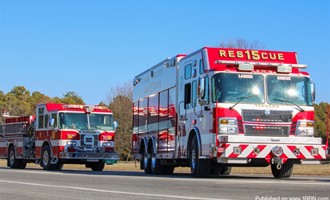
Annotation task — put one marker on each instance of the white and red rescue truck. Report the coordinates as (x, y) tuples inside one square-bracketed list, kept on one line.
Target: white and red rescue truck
[(218, 107), (59, 134)]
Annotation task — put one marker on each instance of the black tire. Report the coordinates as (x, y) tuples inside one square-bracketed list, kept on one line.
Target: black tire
[(12, 161), (46, 158), (220, 170), (225, 171), (156, 167), (168, 170), (147, 160), (285, 171), (59, 166), (97, 167), (199, 167)]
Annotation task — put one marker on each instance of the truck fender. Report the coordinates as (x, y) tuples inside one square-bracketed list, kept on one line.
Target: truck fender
[(154, 144), (144, 144), (195, 131), (46, 142), (146, 141)]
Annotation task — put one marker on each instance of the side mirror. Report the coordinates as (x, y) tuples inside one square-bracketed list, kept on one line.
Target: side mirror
[(201, 87), (312, 87), (202, 91), (115, 124), (51, 122)]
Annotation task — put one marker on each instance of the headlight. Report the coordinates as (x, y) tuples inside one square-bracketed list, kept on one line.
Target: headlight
[(228, 126), (108, 144), (305, 128), (72, 143)]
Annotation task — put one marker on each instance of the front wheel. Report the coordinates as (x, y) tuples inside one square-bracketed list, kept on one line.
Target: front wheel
[(199, 167), (46, 159), (284, 172), (221, 170), (97, 167)]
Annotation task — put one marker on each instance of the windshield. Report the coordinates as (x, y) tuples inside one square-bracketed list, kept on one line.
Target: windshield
[(80, 121), (231, 88), (289, 90)]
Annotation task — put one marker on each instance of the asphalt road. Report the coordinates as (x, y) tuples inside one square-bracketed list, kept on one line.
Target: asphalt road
[(37, 184)]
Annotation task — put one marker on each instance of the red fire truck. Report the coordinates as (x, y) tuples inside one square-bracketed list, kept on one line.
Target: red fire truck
[(218, 107), (59, 134)]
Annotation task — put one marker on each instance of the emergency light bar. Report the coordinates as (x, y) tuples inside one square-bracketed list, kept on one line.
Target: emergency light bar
[(249, 66), (84, 106), (73, 106)]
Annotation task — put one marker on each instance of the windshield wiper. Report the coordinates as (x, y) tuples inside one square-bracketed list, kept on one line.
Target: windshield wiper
[(286, 101), (241, 99)]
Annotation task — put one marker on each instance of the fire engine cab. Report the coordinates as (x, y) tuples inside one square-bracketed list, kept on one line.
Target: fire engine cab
[(59, 134), (218, 107)]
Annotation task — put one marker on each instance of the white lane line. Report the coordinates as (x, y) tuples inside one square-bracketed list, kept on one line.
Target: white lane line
[(108, 191), (291, 181)]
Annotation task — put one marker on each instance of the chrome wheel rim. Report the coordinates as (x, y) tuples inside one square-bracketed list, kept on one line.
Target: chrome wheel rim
[(193, 159), (45, 158), (12, 157)]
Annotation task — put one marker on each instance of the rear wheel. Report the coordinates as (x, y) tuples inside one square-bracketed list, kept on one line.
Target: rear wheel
[(284, 172), (147, 160), (156, 167), (199, 167), (13, 162)]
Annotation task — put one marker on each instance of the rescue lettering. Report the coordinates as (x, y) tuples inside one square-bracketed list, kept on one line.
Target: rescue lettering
[(251, 55)]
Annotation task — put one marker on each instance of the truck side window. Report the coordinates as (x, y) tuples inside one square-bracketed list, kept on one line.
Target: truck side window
[(47, 121), (41, 118), (54, 117), (201, 66), (205, 96), (187, 71), (187, 95), (194, 93)]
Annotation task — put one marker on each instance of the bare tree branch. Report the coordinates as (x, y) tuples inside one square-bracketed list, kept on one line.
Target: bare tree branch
[(240, 43)]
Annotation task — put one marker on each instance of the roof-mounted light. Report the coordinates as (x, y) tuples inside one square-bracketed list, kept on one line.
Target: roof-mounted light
[(73, 106), (245, 67), (284, 69), (248, 66)]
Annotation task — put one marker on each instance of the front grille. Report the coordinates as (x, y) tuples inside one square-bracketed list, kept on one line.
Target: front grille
[(257, 130), (273, 116), (88, 141)]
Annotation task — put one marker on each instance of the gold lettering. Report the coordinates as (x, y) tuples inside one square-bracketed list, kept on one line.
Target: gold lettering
[(247, 53), (264, 56), (231, 54), (239, 54), (280, 56), (222, 53), (272, 56), (255, 55)]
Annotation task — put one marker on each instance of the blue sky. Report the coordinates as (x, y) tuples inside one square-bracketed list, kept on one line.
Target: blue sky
[(91, 47)]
